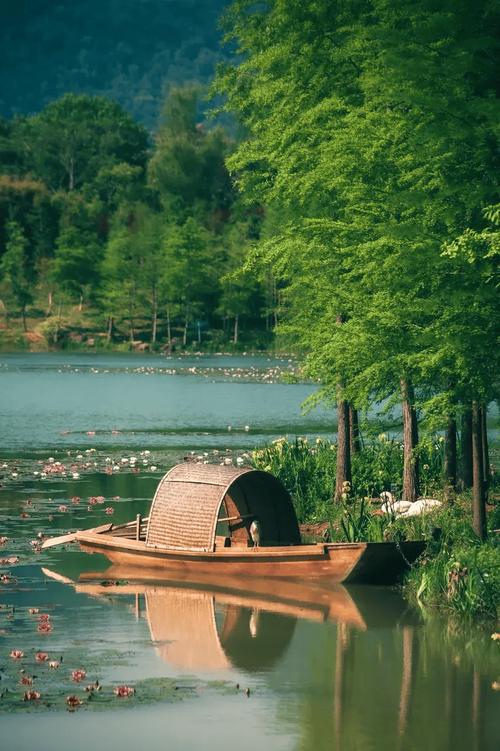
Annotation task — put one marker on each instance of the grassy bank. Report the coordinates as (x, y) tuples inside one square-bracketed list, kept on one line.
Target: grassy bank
[(457, 572), (70, 327)]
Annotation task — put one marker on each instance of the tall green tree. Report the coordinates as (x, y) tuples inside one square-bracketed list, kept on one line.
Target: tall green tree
[(73, 138), (187, 166), (16, 272), (371, 129), (191, 270)]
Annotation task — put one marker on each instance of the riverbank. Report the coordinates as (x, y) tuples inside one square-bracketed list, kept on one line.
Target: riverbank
[(70, 328), (458, 572)]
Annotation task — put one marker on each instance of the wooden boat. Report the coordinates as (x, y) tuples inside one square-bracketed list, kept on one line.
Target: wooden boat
[(200, 521)]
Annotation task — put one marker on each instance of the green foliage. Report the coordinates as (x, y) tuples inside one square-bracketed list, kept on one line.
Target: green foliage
[(187, 166), (153, 249), (78, 135), (15, 269), (370, 133), (462, 576), (308, 472)]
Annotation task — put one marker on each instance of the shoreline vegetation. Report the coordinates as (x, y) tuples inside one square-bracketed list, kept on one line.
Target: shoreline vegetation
[(458, 572)]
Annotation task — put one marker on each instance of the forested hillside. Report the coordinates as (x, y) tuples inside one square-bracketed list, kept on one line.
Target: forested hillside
[(110, 236), (127, 50)]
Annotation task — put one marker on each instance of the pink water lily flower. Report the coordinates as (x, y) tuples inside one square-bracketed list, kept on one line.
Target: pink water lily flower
[(78, 675), (3, 540), (75, 499), (16, 654), (100, 498), (26, 680), (124, 691), (63, 508), (41, 657), (44, 617), (31, 695), (73, 701), (109, 510), (34, 611), (54, 664), (44, 627)]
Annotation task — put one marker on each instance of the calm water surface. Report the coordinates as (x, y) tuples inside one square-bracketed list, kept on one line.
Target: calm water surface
[(54, 400), (327, 668)]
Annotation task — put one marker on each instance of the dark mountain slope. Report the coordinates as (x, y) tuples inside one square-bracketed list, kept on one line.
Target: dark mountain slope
[(125, 49)]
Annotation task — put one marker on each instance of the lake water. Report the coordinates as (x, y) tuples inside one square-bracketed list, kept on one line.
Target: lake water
[(325, 667)]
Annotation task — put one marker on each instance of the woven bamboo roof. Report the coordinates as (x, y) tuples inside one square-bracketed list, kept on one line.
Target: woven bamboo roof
[(188, 500)]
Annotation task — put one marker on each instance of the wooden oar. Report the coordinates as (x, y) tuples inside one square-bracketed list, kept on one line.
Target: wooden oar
[(63, 539)]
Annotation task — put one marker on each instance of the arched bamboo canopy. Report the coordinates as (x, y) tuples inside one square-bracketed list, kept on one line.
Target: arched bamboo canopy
[(196, 503)]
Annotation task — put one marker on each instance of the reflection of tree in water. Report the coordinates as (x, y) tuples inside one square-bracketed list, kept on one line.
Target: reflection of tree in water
[(399, 687)]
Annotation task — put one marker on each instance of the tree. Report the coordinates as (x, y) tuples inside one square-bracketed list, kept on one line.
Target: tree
[(364, 124), (75, 137), (187, 166), (76, 266), (240, 290), (191, 269), (15, 268)]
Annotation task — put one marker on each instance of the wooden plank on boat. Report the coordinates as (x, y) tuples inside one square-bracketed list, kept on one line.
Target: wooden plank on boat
[(61, 540), (64, 539)]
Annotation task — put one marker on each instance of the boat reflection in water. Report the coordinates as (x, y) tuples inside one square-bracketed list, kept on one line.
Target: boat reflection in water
[(348, 668), (245, 624)]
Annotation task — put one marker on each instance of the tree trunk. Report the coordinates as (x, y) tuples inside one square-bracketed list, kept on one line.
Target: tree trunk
[(354, 430), (80, 305), (466, 449), (450, 459), (155, 317), (478, 490), (343, 447), (186, 321), (235, 337), (5, 312), (71, 174), (58, 324), (485, 450), (109, 333), (49, 308), (169, 330), (131, 302), (410, 440)]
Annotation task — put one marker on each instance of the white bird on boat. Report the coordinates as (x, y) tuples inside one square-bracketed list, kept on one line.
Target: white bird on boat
[(255, 533)]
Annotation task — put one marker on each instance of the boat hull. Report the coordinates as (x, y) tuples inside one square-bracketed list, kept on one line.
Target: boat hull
[(377, 563)]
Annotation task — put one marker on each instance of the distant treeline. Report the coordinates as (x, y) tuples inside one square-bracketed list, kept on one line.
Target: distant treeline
[(144, 236)]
